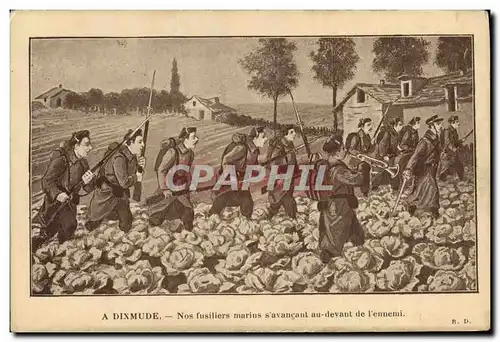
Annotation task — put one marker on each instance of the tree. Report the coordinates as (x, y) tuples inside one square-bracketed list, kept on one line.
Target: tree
[(112, 100), (175, 80), (73, 101), (334, 63), (272, 69), (95, 98), (400, 55), (162, 102), (454, 54)]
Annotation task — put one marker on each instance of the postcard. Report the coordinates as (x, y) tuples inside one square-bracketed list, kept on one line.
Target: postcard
[(244, 171)]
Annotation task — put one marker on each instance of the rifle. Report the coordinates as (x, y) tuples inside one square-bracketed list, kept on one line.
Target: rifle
[(76, 188), (267, 162), (461, 140), (380, 123), (138, 185), (299, 121)]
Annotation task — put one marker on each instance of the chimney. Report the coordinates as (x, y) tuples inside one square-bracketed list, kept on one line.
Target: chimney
[(216, 99), (382, 83), (60, 85)]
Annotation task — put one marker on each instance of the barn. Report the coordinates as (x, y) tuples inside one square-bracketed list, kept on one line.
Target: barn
[(205, 108), (445, 95), (54, 97)]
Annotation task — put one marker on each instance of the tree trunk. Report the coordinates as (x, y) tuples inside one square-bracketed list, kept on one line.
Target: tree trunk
[(334, 104), (275, 114)]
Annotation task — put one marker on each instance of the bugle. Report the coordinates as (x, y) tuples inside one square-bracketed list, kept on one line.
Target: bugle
[(374, 162)]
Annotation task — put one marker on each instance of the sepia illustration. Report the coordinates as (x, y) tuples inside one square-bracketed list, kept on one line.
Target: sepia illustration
[(252, 165)]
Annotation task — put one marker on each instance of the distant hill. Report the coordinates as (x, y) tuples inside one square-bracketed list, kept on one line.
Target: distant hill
[(310, 113)]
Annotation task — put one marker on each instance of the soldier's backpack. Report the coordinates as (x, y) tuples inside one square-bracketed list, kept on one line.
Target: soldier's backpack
[(275, 143), (166, 145), (61, 151), (101, 173), (238, 139)]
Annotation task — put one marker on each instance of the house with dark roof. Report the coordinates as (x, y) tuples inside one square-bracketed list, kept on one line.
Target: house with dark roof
[(445, 95), (205, 108), (54, 97)]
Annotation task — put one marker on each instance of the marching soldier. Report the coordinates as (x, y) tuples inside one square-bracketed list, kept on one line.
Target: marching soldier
[(360, 143), (409, 136), (111, 198), (450, 162), (387, 149), (242, 151), (388, 140), (423, 165), (407, 143), (283, 154), (67, 167), (166, 204), (338, 223)]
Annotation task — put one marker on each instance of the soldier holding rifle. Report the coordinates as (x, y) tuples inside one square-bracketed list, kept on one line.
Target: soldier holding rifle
[(111, 198), (423, 165), (67, 168), (450, 162)]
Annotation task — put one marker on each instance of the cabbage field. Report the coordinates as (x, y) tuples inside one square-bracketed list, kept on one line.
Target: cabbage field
[(229, 254)]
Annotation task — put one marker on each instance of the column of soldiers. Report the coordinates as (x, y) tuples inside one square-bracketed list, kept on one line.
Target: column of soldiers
[(418, 159)]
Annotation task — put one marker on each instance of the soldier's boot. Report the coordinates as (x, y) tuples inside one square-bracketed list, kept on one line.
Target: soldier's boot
[(91, 225)]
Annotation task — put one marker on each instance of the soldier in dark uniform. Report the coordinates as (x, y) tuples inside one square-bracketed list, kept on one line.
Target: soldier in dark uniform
[(423, 164), (67, 167), (387, 150), (111, 198), (361, 143), (242, 151), (408, 140), (283, 156), (170, 205), (409, 136), (338, 223), (450, 162)]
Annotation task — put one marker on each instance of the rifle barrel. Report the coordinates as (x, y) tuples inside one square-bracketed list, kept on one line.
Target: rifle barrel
[(299, 121)]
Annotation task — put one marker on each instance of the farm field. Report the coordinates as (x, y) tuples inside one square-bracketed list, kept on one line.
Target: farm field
[(228, 254)]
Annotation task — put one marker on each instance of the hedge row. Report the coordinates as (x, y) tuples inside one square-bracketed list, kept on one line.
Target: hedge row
[(234, 119)]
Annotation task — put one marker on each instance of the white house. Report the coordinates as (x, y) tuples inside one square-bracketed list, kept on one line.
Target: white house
[(205, 109)]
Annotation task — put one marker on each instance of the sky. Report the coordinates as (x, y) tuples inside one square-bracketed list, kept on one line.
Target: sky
[(208, 67)]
